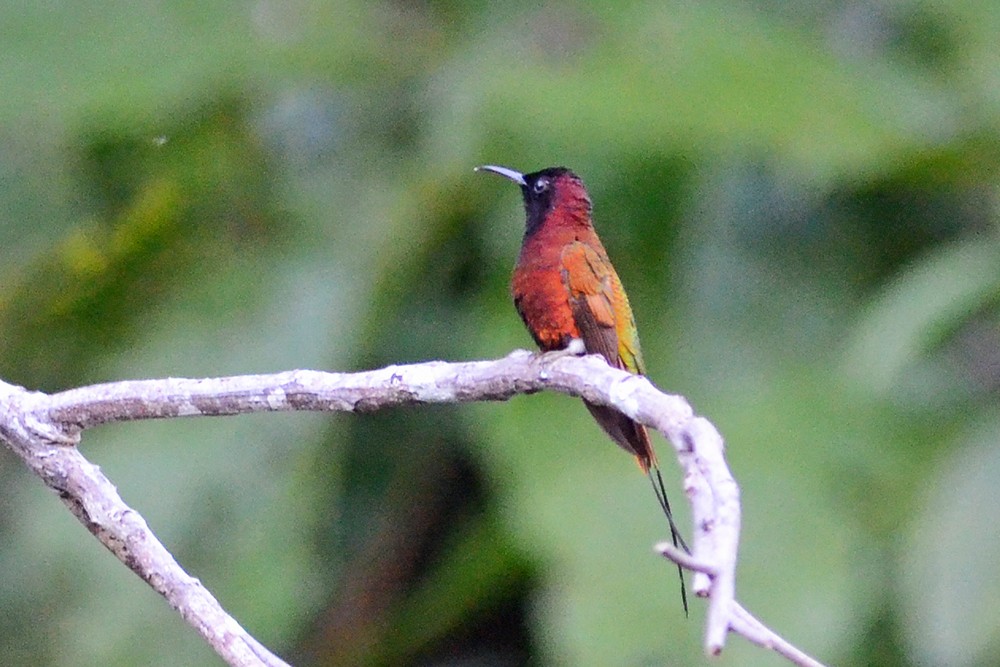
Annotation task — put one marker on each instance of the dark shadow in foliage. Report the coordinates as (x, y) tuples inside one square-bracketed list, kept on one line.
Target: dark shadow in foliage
[(427, 570), (430, 574)]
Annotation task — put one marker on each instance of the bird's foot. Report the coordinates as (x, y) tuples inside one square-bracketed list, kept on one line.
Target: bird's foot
[(574, 348)]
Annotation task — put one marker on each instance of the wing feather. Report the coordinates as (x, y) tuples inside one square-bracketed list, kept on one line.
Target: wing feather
[(588, 279)]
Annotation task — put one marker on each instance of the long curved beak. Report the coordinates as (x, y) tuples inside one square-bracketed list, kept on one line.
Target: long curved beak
[(515, 176)]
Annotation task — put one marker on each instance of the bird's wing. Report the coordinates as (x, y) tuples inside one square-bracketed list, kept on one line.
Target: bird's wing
[(628, 334), (604, 319), (590, 280), (600, 307)]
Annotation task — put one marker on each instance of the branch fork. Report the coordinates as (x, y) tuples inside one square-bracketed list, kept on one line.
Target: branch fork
[(42, 429)]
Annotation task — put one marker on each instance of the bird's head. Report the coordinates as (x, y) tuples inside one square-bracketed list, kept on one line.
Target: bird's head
[(552, 190)]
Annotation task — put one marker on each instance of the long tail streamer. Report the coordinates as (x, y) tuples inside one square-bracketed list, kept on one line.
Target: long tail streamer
[(675, 533)]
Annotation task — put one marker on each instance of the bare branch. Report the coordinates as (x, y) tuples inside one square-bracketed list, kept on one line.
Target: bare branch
[(744, 623), (38, 427), (683, 558), (93, 499)]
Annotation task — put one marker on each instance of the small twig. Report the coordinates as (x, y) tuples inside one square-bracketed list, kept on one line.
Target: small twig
[(744, 623), (682, 558), (739, 619), (38, 427)]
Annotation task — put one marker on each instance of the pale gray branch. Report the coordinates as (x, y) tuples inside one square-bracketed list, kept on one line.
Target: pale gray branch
[(39, 428), (27, 429), (684, 559), (746, 624)]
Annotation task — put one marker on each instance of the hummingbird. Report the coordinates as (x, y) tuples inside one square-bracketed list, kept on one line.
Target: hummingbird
[(565, 289)]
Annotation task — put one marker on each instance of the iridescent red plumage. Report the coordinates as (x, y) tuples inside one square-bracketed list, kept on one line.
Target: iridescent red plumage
[(565, 288)]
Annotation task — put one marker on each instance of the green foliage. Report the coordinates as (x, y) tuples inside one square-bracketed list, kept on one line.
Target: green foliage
[(800, 199)]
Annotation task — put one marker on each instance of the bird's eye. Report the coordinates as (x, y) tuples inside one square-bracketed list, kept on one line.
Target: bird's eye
[(541, 185)]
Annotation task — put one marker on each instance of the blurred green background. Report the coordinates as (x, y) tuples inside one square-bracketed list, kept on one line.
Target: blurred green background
[(801, 199)]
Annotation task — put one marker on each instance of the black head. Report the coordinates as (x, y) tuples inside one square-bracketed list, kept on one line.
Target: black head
[(543, 189)]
